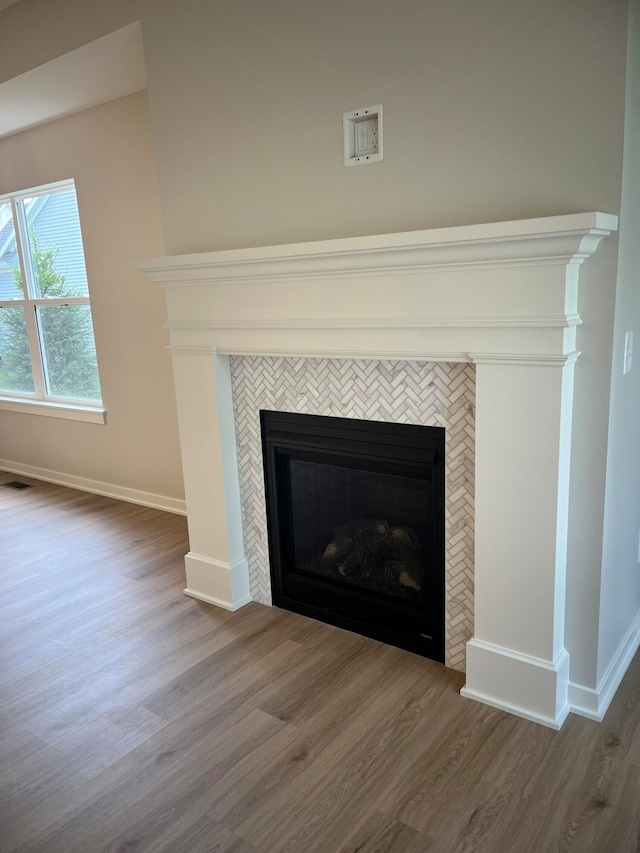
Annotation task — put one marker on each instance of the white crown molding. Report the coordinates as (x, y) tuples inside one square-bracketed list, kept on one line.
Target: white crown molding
[(524, 358), (343, 352), (566, 239), (386, 296), (192, 350), (329, 352), (551, 321), (535, 359)]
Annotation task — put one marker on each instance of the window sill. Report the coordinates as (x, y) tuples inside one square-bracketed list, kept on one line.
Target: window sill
[(53, 410)]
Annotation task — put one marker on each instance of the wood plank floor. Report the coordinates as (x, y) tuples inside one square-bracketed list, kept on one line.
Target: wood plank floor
[(133, 718)]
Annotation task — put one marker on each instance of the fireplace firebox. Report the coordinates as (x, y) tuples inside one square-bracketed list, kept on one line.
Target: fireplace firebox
[(355, 513)]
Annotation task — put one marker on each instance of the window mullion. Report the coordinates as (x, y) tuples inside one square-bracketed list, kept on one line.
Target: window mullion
[(28, 288), (22, 247), (62, 300), (33, 337)]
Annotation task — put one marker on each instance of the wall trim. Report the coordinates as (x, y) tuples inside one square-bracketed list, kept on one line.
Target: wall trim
[(554, 723), (192, 350), (594, 703), (340, 353), (44, 408), (218, 602), (97, 487), (227, 583), (535, 359), (567, 239), (542, 321), (524, 358), (389, 296), (501, 676)]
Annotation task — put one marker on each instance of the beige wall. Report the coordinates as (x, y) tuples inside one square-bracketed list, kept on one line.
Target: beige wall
[(107, 150), (588, 459), (620, 602), (493, 110), (33, 32)]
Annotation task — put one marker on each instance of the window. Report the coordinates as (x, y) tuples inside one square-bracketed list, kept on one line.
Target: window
[(47, 348)]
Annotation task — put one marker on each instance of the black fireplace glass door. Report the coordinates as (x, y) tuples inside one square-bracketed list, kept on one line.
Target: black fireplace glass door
[(355, 516), (360, 527)]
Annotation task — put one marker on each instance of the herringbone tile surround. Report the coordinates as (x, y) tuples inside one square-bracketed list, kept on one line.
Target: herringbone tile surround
[(435, 394)]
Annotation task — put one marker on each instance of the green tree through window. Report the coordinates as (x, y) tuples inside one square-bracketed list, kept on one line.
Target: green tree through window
[(66, 333)]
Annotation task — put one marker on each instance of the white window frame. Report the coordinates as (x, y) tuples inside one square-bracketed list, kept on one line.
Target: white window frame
[(38, 401)]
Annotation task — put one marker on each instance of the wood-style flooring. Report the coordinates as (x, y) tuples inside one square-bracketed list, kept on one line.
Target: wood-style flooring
[(133, 718)]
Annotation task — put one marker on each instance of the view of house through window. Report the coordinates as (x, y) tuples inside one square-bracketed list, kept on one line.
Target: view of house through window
[(47, 348)]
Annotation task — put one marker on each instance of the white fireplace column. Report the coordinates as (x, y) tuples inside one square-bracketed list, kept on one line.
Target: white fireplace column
[(516, 659), (216, 567), (501, 295)]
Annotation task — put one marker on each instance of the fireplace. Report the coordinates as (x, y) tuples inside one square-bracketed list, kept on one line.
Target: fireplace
[(501, 297), (356, 525)]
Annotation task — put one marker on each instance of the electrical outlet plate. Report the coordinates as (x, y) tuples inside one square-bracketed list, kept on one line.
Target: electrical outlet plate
[(362, 135)]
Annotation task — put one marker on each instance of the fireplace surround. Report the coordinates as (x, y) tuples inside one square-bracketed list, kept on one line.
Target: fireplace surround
[(439, 394), (500, 296)]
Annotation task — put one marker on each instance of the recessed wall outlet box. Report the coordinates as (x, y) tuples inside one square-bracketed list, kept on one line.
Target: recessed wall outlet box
[(628, 352), (362, 135)]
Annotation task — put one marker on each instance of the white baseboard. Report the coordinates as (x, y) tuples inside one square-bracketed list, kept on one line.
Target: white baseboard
[(96, 487), (217, 582), (520, 684), (550, 722), (217, 602), (593, 702)]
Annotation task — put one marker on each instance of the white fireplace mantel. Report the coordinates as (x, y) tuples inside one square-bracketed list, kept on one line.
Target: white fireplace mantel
[(501, 295)]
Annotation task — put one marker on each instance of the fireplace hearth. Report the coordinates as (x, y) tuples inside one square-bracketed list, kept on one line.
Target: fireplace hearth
[(356, 525)]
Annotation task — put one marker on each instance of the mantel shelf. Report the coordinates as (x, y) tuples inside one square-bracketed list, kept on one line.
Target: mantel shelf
[(548, 240)]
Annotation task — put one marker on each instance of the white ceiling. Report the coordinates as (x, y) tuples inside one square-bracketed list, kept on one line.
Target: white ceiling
[(101, 71)]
